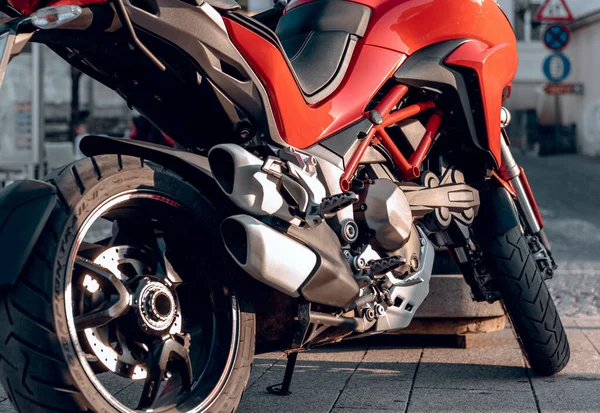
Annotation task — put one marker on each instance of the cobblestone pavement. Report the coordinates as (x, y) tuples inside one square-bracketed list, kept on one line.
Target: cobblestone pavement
[(566, 188)]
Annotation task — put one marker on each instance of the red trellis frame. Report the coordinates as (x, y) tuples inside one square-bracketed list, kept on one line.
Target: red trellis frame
[(384, 117)]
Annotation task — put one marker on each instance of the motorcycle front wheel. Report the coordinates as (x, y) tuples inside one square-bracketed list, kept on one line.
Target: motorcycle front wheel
[(523, 290), (128, 302)]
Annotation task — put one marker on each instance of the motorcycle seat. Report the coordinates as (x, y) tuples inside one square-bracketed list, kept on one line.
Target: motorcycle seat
[(319, 38), (223, 5)]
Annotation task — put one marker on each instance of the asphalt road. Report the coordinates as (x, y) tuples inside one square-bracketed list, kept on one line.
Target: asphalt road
[(567, 189)]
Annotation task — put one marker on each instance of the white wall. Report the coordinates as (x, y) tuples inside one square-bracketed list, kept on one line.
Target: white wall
[(585, 110)]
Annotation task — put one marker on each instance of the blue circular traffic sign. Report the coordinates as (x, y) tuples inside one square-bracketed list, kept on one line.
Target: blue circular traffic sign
[(557, 67), (557, 37)]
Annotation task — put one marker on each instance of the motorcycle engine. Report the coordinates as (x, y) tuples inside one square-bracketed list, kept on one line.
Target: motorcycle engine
[(384, 213)]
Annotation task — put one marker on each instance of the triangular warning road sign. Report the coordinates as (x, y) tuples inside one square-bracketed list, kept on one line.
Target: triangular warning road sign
[(554, 11)]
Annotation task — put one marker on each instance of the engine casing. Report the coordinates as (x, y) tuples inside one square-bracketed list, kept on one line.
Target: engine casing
[(384, 212)]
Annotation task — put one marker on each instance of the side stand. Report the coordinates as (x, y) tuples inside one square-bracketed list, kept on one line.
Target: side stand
[(302, 325), (283, 389)]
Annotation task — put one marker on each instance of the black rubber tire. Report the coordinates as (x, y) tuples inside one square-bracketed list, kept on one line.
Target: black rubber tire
[(528, 302), (39, 368)]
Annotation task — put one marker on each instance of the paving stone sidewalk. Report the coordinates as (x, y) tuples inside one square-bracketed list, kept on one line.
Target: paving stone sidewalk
[(372, 377), (489, 377)]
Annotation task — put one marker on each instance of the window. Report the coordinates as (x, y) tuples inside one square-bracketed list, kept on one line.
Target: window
[(526, 27)]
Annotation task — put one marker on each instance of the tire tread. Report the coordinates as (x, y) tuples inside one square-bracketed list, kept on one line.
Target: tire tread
[(528, 302)]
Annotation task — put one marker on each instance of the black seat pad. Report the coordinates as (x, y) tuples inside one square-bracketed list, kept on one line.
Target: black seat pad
[(223, 5), (318, 39)]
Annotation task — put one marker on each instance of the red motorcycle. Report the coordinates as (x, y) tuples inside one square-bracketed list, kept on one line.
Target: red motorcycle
[(325, 149)]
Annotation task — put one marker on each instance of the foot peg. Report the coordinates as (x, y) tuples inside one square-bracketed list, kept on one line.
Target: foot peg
[(386, 264), (335, 203), (329, 206), (283, 389)]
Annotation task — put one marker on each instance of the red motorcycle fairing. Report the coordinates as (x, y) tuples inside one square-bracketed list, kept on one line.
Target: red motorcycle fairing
[(397, 29), (301, 124), (496, 67)]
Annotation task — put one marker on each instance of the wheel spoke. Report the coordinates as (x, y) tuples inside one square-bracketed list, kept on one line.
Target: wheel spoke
[(113, 308), (169, 354), (172, 276)]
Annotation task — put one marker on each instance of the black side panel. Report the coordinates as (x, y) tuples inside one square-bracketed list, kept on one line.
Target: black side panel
[(224, 5), (325, 16), (343, 141), (194, 32), (319, 39), (25, 206), (318, 58), (202, 66), (426, 69)]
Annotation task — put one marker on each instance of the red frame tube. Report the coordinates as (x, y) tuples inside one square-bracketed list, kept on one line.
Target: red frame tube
[(353, 163), (391, 99), (506, 184), (406, 113), (397, 156), (431, 130), (409, 169), (530, 196)]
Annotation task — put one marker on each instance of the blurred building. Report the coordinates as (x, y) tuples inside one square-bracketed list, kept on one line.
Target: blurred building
[(531, 107), (533, 111)]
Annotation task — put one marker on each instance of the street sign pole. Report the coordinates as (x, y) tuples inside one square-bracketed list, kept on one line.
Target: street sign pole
[(557, 117), (557, 66), (37, 110)]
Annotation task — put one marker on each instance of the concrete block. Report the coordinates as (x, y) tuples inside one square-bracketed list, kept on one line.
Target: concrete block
[(455, 326), (449, 297)]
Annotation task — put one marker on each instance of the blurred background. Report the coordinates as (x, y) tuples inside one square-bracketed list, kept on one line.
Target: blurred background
[(46, 105)]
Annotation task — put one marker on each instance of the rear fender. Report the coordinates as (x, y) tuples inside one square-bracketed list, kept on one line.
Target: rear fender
[(25, 206), (194, 168)]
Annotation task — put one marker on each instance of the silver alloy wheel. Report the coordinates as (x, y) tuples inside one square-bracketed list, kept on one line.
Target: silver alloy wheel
[(108, 206)]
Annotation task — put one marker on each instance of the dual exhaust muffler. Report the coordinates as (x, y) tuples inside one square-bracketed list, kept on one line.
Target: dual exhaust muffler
[(295, 260), (268, 255)]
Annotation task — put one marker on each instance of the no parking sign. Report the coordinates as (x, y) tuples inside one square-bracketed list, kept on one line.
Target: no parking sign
[(557, 37)]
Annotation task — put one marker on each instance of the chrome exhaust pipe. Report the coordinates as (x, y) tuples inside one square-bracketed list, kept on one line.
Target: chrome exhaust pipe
[(240, 176), (267, 255)]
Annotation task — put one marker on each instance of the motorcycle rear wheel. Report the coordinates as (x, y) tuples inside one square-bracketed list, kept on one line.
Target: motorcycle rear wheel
[(46, 358)]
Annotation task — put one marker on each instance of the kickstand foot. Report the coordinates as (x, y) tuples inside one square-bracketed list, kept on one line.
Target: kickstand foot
[(283, 389)]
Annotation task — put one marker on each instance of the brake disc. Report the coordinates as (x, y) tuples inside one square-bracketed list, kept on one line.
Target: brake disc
[(108, 343)]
